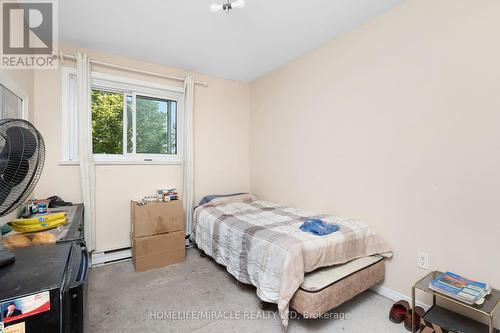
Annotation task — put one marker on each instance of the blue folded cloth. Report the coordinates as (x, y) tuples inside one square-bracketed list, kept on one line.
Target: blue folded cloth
[(318, 227)]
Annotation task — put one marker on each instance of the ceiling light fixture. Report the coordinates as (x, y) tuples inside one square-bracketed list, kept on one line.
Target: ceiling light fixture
[(215, 7)]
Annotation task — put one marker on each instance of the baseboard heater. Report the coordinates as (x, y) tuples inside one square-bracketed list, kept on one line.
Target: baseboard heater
[(117, 255), (111, 256)]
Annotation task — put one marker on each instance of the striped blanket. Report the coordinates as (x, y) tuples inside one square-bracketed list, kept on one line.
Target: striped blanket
[(260, 243)]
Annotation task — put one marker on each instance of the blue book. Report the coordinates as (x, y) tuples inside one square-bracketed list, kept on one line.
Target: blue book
[(456, 286)]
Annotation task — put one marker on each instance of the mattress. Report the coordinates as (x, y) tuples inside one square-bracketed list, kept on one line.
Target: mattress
[(327, 288), (324, 277)]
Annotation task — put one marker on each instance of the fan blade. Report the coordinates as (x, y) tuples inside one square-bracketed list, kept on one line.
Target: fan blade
[(3, 164), (4, 191), (5, 147), (21, 141), (16, 171)]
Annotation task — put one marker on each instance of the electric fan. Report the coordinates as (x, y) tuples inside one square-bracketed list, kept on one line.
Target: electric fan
[(22, 155)]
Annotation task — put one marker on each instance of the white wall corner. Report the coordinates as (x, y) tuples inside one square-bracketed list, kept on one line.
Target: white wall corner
[(396, 296)]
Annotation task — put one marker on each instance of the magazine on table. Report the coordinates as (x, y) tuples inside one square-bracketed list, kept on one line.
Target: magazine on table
[(458, 287)]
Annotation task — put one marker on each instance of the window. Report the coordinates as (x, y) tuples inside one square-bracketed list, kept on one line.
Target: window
[(107, 122), (13, 99), (132, 121), (133, 124), (156, 126), (11, 106)]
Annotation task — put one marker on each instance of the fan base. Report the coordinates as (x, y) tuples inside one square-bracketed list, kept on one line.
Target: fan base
[(6, 257)]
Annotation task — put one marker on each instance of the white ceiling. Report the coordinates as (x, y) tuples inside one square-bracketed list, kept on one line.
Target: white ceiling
[(242, 45)]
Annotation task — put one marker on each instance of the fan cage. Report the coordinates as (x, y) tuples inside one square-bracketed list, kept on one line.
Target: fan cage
[(22, 156)]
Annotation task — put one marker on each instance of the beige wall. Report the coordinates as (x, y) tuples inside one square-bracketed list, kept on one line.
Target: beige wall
[(221, 140), (396, 123)]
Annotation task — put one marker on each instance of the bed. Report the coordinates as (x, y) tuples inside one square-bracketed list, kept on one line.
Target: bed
[(260, 243)]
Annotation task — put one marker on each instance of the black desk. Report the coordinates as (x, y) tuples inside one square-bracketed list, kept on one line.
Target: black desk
[(56, 274)]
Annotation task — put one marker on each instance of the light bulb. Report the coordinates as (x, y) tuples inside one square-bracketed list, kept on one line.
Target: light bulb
[(238, 4), (215, 7)]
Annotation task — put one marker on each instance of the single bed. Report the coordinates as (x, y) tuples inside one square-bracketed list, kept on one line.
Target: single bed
[(260, 243)]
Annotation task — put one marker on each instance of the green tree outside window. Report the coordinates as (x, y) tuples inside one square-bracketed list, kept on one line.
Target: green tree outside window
[(156, 124)]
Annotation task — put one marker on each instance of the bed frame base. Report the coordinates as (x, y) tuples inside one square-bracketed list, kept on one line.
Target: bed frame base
[(314, 304)]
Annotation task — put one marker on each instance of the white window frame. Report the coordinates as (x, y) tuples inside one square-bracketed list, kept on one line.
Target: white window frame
[(130, 87), (8, 83), (69, 117)]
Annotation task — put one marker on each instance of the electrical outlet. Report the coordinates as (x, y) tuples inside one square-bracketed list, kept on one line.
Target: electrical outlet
[(423, 260)]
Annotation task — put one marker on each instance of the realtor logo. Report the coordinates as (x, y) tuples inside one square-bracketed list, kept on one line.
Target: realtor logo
[(29, 34)]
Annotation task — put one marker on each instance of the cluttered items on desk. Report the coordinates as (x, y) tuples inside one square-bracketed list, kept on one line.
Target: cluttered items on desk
[(38, 224), (460, 288), (39, 229), (34, 206)]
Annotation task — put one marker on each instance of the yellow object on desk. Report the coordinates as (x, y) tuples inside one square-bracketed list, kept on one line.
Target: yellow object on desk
[(22, 227), (40, 219)]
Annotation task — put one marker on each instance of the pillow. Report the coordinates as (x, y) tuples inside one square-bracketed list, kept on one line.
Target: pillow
[(237, 197)]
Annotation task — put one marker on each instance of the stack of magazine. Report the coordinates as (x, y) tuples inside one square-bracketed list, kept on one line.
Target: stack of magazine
[(460, 288)]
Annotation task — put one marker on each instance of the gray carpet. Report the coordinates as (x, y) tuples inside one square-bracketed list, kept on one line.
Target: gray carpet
[(160, 300)]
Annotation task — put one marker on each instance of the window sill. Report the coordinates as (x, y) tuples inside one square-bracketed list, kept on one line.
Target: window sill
[(115, 162), (67, 162)]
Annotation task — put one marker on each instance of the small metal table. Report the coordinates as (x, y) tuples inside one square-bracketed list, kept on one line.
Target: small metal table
[(487, 308)]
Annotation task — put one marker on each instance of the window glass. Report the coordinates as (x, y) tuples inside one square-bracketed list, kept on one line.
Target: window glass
[(107, 122), (156, 126), (11, 105), (130, 129)]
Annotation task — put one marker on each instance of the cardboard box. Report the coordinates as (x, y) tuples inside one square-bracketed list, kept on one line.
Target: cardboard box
[(156, 218), (158, 250)]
